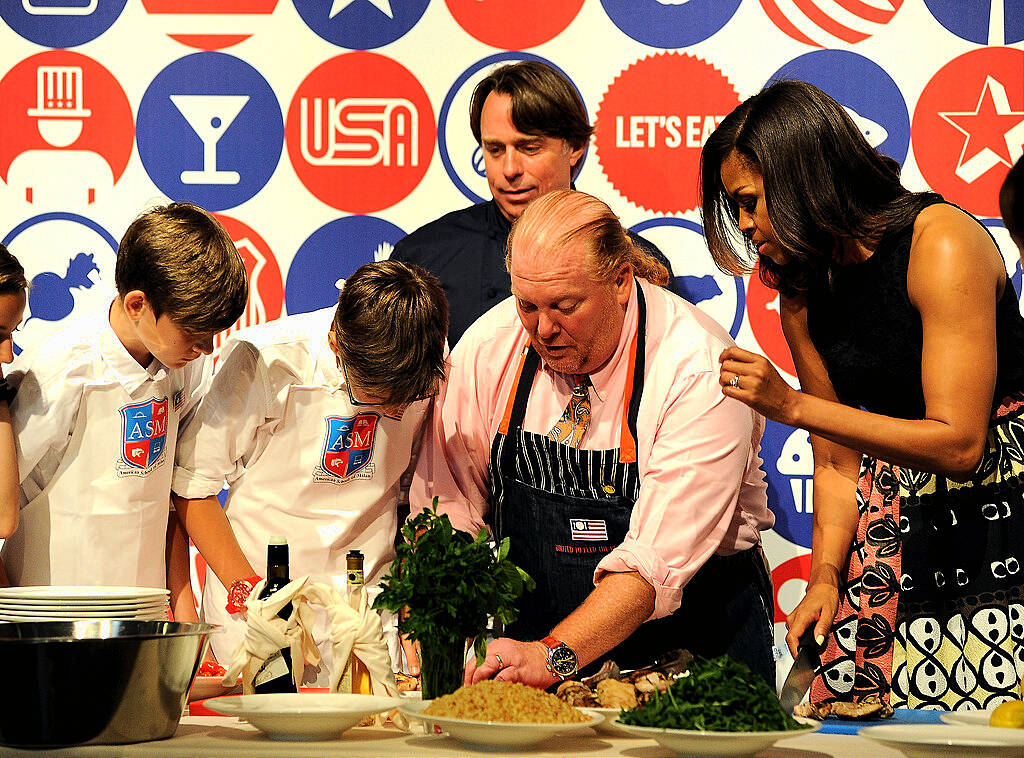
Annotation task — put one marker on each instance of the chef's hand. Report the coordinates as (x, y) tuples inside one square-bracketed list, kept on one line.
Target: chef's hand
[(412, 655), (753, 380), (818, 608), (511, 661)]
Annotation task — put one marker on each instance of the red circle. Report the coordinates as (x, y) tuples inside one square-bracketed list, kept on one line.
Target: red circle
[(514, 24), (376, 132), (794, 568), (652, 123), (107, 124), (968, 126)]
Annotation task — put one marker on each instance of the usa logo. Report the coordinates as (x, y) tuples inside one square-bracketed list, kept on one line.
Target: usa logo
[(266, 290), (763, 317), (360, 132), (331, 254), (825, 23), (719, 295), (588, 530), (61, 23), (789, 464), (866, 92), (210, 130), (514, 24), (670, 23), (360, 24), (986, 22), (968, 127), (651, 124), (348, 444), (211, 24), (144, 432), (461, 156), (67, 133), (65, 256)]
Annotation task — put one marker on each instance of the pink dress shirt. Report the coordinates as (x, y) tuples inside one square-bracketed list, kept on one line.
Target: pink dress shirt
[(702, 490)]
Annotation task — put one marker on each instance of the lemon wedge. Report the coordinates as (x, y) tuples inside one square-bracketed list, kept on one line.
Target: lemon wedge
[(1009, 714)]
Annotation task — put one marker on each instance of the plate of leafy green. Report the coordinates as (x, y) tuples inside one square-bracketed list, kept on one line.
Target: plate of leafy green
[(718, 708)]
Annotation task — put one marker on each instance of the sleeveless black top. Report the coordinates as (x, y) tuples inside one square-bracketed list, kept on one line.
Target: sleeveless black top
[(869, 334)]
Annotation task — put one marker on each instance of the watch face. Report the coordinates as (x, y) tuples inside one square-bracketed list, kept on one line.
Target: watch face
[(563, 660)]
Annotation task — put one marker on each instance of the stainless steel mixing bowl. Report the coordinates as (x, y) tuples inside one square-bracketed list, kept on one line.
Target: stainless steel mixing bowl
[(101, 681)]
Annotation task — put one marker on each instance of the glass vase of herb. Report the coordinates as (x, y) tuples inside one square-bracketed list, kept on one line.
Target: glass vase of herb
[(446, 584)]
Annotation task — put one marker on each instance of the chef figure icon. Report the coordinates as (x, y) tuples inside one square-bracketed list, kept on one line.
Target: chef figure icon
[(69, 134)]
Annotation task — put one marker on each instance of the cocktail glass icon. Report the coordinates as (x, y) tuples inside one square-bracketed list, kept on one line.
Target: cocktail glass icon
[(59, 104), (210, 116)]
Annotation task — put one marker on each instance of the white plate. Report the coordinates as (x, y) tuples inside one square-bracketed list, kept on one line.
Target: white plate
[(111, 612), (934, 740), (210, 686), (148, 616), (6, 605), (302, 716), (608, 725), (80, 594), (693, 742), (966, 718), (492, 734)]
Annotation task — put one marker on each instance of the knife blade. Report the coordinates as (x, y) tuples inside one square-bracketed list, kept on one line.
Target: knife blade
[(798, 681)]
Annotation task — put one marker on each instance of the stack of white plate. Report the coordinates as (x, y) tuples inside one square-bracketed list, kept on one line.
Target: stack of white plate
[(72, 603)]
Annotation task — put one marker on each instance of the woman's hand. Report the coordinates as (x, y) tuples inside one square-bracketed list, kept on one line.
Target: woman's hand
[(753, 380), (818, 608)]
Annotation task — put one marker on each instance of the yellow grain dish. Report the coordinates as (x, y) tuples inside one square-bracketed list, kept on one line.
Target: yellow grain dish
[(506, 702)]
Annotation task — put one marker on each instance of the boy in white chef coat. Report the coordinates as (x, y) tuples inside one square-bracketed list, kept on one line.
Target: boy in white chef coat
[(315, 421), (99, 404)]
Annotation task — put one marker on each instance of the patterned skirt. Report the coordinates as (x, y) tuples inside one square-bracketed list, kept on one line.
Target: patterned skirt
[(932, 612)]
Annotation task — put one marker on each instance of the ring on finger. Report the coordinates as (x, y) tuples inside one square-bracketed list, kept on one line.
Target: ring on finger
[(497, 657), (735, 381)]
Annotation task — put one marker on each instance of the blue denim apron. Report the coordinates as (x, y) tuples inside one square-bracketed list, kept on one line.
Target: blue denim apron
[(564, 509)]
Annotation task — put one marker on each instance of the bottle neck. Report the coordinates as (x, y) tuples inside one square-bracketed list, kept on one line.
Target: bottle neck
[(277, 564)]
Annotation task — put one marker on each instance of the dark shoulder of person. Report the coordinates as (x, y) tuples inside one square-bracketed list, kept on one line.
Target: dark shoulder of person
[(440, 238), (649, 247)]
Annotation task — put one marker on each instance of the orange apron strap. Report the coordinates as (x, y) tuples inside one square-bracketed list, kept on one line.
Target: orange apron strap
[(627, 445), (510, 403)]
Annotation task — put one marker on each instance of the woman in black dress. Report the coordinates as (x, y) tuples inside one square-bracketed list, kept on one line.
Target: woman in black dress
[(909, 348)]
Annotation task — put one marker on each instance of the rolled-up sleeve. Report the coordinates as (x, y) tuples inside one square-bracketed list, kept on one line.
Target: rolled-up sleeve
[(689, 490)]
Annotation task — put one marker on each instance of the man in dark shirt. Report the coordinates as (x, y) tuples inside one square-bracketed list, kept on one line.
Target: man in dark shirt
[(533, 129)]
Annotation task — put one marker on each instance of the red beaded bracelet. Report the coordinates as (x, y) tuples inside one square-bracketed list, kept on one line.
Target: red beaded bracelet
[(239, 592)]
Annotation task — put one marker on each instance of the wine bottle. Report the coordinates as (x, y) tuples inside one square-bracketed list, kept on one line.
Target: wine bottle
[(275, 675), (360, 675)]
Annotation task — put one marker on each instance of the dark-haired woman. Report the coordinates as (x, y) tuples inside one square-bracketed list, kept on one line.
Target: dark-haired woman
[(909, 348)]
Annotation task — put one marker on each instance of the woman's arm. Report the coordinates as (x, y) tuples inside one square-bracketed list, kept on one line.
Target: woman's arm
[(954, 279), (836, 469)]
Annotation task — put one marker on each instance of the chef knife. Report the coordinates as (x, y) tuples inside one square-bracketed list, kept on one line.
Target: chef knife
[(799, 679)]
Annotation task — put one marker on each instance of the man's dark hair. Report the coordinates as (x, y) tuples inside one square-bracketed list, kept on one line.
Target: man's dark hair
[(12, 274), (544, 103)]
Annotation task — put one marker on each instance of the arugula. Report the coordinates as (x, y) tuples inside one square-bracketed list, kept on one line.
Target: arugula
[(450, 583), (718, 695)]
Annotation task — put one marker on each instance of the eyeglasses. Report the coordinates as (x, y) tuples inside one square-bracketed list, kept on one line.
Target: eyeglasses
[(352, 398)]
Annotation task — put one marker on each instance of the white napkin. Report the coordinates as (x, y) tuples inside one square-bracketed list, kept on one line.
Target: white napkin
[(266, 633)]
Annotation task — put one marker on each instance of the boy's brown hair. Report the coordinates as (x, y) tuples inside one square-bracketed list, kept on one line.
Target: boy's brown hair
[(185, 263)]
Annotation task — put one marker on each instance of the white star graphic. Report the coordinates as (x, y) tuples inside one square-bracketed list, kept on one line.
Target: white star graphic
[(991, 121), (384, 6)]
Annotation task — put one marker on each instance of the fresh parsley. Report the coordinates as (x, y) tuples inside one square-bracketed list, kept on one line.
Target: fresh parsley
[(450, 583), (718, 695)]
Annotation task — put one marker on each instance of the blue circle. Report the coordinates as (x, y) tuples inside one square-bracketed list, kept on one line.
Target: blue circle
[(654, 23), (61, 23), (361, 24), (789, 494), (331, 253), (245, 153), (442, 139), (969, 19), (860, 85), (741, 293)]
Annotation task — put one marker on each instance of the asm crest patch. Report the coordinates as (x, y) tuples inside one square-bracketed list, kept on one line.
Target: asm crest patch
[(348, 444), (143, 432)]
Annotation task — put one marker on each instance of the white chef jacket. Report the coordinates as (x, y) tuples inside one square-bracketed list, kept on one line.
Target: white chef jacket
[(95, 434), (300, 461)]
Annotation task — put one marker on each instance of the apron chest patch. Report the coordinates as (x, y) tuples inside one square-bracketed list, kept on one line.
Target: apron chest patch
[(143, 433), (348, 447), (588, 530)]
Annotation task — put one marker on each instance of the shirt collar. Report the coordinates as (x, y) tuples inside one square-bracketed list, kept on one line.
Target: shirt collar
[(600, 380), (325, 371), (122, 365)]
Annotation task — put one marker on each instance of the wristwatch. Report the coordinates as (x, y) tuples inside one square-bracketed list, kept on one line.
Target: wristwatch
[(562, 660), (239, 592)]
